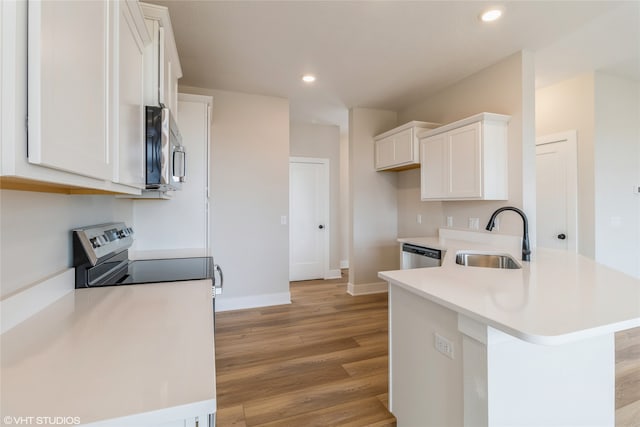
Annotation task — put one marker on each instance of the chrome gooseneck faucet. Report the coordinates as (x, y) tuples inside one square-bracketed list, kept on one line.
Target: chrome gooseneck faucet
[(526, 250)]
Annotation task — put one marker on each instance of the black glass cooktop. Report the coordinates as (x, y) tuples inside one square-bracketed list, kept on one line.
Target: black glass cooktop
[(165, 270)]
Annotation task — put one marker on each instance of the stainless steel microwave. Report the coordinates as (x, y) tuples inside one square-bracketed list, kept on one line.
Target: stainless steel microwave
[(165, 155)]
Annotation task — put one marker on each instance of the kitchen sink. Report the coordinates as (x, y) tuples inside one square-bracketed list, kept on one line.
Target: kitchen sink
[(489, 260)]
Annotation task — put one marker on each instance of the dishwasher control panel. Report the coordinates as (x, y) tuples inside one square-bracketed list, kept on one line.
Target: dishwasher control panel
[(415, 256)]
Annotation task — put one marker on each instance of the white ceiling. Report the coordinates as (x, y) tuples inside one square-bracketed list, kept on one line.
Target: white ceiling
[(390, 54)]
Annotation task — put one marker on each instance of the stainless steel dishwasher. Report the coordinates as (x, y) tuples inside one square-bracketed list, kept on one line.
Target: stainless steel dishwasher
[(415, 256)]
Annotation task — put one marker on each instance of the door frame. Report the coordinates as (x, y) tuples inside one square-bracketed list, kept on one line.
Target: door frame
[(326, 210), (570, 137)]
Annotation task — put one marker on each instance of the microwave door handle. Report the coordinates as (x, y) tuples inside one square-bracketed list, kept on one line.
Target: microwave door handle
[(179, 163)]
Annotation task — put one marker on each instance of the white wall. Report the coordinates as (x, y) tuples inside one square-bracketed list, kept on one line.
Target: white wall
[(506, 88), (179, 226), (410, 206), (373, 208), (617, 172), (323, 141), (249, 194), (605, 110), (569, 105), (35, 232), (344, 199)]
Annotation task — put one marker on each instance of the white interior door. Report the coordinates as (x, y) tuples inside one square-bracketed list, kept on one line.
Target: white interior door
[(556, 191), (308, 217)]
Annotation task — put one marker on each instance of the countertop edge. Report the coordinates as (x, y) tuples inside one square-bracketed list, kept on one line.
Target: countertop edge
[(550, 340)]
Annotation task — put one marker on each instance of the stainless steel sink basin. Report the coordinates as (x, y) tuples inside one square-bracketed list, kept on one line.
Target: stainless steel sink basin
[(489, 260)]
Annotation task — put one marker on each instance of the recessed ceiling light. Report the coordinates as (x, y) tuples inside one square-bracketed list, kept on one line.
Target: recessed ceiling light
[(491, 15), (308, 78)]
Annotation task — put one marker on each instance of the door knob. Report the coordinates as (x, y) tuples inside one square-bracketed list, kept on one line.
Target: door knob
[(321, 226), (562, 236)]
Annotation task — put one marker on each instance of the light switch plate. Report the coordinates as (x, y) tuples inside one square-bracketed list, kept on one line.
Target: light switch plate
[(443, 345)]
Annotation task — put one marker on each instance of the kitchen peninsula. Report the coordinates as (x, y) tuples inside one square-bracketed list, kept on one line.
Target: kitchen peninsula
[(532, 346)]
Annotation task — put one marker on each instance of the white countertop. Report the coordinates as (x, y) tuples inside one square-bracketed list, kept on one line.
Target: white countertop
[(105, 353), (556, 298)]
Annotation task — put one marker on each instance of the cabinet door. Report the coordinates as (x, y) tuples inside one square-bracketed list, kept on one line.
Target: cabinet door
[(434, 169), (403, 147), (151, 61), (68, 86), (384, 152), (130, 105), (465, 162)]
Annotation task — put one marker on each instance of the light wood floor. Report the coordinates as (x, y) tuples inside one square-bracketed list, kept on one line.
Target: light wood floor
[(322, 361), (628, 378)]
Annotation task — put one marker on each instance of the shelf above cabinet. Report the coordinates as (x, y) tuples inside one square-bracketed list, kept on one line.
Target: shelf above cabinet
[(398, 148)]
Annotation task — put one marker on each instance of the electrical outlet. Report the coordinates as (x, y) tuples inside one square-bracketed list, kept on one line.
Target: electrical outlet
[(474, 223), (443, 345), (419, 219), (449, 221)]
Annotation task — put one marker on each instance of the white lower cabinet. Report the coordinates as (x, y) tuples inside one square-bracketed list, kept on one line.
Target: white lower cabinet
[(465, 160), (200, 421), (398, 148)]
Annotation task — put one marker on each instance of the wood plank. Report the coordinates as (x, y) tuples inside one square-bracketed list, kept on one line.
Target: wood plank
[(230, 416), (629, 415), (314, 398), (364, 412), (367, 366), (628, 369)]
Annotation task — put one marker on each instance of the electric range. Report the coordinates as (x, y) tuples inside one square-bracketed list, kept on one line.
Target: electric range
[(101, 258)]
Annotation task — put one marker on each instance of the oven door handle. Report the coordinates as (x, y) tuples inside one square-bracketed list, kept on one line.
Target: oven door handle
[(219, 270)]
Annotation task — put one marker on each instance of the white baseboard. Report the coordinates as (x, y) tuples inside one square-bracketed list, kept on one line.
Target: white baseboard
[(344, 263), (253, 301), (367, 288), (24, 304), (333, 274)]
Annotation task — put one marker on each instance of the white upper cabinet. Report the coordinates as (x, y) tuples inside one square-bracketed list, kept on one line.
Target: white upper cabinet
[(161, 62), (128, 94), (465, 160), (69, 86), (398, 148), (80, 64)]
